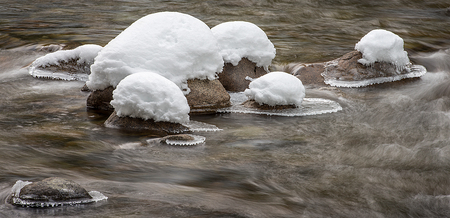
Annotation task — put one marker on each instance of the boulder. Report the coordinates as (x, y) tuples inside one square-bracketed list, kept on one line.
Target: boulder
[(309, 74), (206, 96), (139, 124), (233, 78), (256, 105), (54, 190), (100, 99)]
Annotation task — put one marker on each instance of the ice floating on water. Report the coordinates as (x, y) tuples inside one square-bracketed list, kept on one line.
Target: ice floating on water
[(15, 190), (413, 71), (309, 106), (196, 126), (66, 64), (196, 140)]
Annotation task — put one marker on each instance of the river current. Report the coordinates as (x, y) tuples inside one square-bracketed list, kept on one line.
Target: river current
[(385, 154)]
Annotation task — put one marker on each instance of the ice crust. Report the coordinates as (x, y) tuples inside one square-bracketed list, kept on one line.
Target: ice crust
[(276, 88), (239, 39), (196, 141), (310, 106), (149, 95), (174, 45), (15, 192), (382, 45), (83, 55)]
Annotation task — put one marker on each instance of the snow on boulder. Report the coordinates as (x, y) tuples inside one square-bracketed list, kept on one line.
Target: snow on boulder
[(148, 95), (66, 64), (174, 45), (276, 88), (239, 39), (382, 45)]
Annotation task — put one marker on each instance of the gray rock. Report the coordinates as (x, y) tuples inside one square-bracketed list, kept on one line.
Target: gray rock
[(233, 78), (138, 124), (100, 99), (53, 189), (254, 104)]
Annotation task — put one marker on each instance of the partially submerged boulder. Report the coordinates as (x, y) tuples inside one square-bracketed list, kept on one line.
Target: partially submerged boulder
[(51, 191), (256, 105), (235, 78), (139, 124)]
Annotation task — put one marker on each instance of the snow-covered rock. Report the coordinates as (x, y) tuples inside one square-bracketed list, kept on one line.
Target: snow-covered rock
[(276, 88), (174, 45), (382, 46), (148, 95), (240, 39), (66, 64)]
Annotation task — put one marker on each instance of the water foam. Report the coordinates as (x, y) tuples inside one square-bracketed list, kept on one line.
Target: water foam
[(309, 106)]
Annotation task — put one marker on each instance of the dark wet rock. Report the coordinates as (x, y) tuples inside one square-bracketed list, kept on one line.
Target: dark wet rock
[(179, 137), (53, 189), (254, 104), (100, 99), (207, 96), (176, 140), (233, 78), (138, 124)]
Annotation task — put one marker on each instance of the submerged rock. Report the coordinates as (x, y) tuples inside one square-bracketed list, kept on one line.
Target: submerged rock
[(206, 96), (256, 105), (53, 191), (234, 78), (139, 124), (180, 140), (100, 99)]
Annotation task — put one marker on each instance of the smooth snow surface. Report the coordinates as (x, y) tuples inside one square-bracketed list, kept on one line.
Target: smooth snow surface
[(310, 106), (239, 39), (83, 55), (174, 45), (15, 192), (276, 88), (382, 45), (149, 95)]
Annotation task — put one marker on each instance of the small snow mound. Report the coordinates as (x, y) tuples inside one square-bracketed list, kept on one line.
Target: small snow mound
[(239, 39), (276, 88), (174, 45), (66, 64), (382, 45), (149, 95)]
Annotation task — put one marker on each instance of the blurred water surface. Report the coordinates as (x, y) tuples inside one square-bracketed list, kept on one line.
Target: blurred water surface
[(386, 154)]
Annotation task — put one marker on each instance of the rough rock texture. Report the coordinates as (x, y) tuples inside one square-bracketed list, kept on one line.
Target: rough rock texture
[(254, 104), (207, 96), (347, 68), (129, 123), (233, 77), (100, 99), (53, 189)]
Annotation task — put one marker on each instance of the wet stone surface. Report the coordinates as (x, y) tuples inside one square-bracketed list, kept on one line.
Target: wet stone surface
[(233, 78)]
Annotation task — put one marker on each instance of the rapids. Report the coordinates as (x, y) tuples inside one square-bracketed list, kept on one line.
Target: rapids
[(385, 154)]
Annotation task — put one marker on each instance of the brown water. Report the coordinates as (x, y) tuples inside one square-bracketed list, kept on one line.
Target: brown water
[(386, 154)]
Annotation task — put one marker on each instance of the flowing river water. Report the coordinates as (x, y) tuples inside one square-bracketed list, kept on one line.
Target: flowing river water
[(385, 154)]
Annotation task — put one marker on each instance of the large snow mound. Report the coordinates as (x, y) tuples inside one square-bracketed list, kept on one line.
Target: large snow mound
[(149, 95), (276, 88), (382, 45), (239, 39), (174, 45)]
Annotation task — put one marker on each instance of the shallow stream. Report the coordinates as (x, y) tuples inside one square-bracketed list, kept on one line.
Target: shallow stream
[(385, 154)]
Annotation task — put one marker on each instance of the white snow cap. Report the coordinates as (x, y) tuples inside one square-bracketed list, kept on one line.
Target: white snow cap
[(239, 39), (276, 88), (382, 45), (174, 45), (149, 95)]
